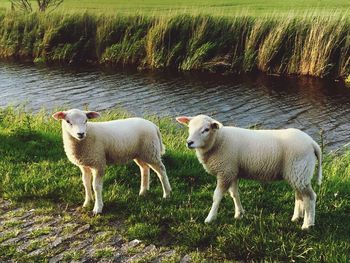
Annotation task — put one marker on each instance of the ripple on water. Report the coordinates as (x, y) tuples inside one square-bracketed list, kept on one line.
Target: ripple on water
[(271, 102)]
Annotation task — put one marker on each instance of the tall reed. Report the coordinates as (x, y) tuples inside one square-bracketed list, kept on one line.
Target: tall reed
[(309, 44)]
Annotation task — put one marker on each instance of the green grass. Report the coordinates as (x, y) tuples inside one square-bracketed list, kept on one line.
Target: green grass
[(40, 232), (34, 168)]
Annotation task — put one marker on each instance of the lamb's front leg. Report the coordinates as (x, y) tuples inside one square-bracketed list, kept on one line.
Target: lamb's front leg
[(239, 211), (97, 185), (86, 176), (219, 192)]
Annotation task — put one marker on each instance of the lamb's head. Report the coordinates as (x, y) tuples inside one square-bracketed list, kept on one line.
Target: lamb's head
[(75, 121), (202, 131)]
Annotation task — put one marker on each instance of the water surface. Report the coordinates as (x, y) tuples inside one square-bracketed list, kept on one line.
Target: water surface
[(268, 102)]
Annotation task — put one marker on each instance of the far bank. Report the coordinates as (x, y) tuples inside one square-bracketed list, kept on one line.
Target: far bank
[(313, 45)]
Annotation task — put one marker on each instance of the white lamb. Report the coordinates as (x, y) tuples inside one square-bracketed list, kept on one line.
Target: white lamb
[(93, 145), (231, 153)]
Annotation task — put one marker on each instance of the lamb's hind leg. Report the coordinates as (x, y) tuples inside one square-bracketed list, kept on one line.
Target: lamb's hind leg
[(301, 171), (309, 201), (144, 169), (86, 176), (233, 190), (298, 207), (159, 168)]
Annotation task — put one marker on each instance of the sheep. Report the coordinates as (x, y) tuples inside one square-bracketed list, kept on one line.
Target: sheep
[(231, 153), (93, 145)]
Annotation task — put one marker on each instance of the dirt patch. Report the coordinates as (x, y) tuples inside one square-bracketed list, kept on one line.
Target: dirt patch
[(63, 235)]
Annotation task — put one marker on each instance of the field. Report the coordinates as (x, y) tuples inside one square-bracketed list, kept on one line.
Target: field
[(212, 7), (35, 169)]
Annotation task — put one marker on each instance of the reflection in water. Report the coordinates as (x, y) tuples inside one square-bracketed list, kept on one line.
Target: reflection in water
[(269, 102)]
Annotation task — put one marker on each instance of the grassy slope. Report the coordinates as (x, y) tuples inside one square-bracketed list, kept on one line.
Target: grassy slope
[(254, 7), (34, 168)]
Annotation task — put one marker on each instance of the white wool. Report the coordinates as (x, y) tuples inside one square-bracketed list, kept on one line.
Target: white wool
[(231, 153), (93, 145)]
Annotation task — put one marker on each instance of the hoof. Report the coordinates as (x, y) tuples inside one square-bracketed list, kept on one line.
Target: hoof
[(143, 193), (295, 218), (97, 211), (166, 195), (209, 220), (239, 216), (307, 227)]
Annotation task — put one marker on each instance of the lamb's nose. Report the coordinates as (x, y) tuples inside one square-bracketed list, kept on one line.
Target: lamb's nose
[(189, 143), (80, 134)]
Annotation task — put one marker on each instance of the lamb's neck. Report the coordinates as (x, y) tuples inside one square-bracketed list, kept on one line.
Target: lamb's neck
[(203, 154), (72, 145)]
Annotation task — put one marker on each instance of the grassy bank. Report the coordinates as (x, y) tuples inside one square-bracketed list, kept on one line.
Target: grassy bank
[(34, 168), (310, 44)]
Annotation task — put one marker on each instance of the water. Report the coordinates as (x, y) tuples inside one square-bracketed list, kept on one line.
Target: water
[(267, 102)]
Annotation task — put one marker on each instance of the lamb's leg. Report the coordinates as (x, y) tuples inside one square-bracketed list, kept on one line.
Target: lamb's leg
[(86, 176), (309, 201), (299, 207), (97, 185), (159, 169), (302, 169), (233, 190), (144, 168), (219, 192)]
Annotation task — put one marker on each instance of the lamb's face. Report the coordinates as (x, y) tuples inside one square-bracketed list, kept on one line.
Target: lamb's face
[(202, 130), (75, 121)]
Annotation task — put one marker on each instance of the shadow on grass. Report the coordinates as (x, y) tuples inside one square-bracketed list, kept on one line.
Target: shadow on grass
[(31, 146)]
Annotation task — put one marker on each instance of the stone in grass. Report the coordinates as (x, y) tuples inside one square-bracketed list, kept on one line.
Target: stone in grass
[(4, 206), (78, 247), (144, 253), (131, 244)]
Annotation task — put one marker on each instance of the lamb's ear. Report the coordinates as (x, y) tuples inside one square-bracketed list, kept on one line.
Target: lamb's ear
[(60, 115), (92, 114), (216, 125), (183, 119)]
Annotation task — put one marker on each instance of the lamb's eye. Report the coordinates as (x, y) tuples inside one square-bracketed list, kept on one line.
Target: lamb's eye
[(68, 121), (205, 130)]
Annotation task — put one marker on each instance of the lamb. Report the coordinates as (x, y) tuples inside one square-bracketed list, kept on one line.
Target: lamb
[(232, 153), (93, 145)]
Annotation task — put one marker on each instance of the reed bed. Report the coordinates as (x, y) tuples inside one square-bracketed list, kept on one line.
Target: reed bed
[(296, 44)]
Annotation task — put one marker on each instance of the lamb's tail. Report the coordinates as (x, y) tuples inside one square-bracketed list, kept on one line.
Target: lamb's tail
[(318, 154), (162, 147)]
